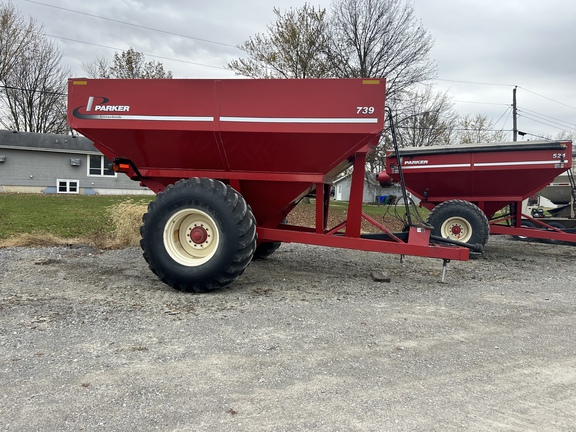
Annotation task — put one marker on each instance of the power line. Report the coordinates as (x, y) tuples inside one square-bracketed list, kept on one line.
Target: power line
[(544, 123), (537, 136), (480, 103), (148, 55), (549, 122), (503, 114), (474, 82), (545, 97), (421, 128), (504, 85), (50, 92), (134, 25), (548, 118), (482, 130)]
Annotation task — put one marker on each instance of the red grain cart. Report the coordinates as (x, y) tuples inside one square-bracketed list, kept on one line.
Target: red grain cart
[(229, 160), (478, 189)]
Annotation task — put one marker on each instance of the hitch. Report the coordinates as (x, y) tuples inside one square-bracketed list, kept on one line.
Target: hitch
[(477, 248)]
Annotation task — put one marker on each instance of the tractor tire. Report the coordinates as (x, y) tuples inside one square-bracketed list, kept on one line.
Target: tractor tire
[(198, 235), (460, 220), (525, 224), (555, 225), (265, 249)]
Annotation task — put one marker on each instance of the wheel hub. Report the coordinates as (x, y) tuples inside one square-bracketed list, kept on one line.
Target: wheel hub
[(456, 228), (198, 235)]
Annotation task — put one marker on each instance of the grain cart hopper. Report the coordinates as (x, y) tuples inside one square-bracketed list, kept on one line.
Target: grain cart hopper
[(229, 160), (474, 190)]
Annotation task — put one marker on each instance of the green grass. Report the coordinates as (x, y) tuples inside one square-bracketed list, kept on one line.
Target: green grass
[(113, 221), (377, 210), (63, 216)]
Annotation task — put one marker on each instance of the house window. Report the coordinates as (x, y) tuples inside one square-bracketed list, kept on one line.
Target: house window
[(99, 166), (68, 186)]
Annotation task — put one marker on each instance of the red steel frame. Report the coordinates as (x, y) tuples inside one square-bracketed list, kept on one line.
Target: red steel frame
[(543, 231), (347, 234)]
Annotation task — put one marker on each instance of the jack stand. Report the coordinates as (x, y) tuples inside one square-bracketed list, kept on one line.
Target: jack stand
[(401, 259), (444, 268)]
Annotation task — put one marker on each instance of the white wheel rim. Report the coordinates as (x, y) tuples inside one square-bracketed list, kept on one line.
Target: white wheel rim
[(523, 225), (191, 237), (456, 228)]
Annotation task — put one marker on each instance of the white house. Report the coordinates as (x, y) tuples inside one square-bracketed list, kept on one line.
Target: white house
[(371, 193), (51, 163)]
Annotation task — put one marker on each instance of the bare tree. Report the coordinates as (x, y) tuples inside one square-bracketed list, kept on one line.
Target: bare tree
[(33, 97), (97, 68), (295, 46), (425, 118), (16, 35), (380, 38), (35, 93), (569, 135), (478, 129), (127, 64), (359, 39)]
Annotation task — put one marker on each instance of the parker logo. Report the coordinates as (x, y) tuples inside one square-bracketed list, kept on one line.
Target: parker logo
[(416, 162), (106, 108), (97, 108)]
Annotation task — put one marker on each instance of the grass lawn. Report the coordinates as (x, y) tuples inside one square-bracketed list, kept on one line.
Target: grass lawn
[(113, 221), (377, 211), (63, 216)]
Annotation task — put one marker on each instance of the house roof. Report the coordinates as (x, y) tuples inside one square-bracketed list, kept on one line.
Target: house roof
[(46, 142), (369, 178)]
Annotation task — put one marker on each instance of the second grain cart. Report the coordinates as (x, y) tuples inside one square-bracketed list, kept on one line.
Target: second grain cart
[(229, 160), (474, 190)]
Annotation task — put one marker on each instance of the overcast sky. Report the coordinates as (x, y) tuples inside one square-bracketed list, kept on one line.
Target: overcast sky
[(483, 48)]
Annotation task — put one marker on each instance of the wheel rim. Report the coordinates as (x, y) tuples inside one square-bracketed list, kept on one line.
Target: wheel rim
[(525, 224), (456, 228), (555, 225), (191, 237)]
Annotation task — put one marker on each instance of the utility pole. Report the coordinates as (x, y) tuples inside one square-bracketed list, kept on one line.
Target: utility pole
[(514, 116)]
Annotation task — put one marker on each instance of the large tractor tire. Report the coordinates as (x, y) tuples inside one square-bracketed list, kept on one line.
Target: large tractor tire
[(198, 235), (559, 226), (460, 220), (265, 249), (525, 224)]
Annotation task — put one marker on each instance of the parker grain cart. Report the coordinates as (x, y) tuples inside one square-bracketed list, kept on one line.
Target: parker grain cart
[(229, 160), (478, 189)]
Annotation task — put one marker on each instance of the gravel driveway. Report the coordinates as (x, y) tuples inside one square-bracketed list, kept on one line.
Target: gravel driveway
[(304, 341)]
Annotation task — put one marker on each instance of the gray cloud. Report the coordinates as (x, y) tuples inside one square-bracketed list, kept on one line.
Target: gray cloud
[(528, 43), (517, 42)]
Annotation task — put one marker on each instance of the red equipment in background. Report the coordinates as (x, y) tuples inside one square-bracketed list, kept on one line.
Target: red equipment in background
[(477, 189), (231, 157)]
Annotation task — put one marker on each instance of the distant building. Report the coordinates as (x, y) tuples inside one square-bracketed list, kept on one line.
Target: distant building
[(371, 193), (51, 163)]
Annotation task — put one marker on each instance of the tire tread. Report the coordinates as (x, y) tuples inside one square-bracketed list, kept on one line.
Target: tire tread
[(237, 210)]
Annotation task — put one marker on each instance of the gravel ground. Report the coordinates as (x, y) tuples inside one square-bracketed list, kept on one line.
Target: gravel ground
[(303, 341)]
